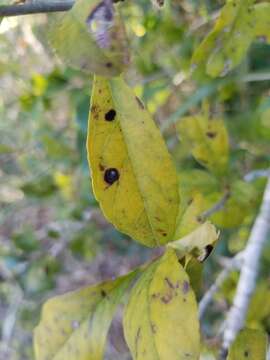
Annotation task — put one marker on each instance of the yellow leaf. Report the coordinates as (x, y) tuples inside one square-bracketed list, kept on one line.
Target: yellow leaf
[(161, 319), (75, 325), (249, 345), (198, 243), (91, 37), (207, 139), (133, 177), (189, 218)]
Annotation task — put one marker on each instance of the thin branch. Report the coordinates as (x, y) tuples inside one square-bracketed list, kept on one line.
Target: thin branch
[(233, 264), (249, 272), (216, 207), (34, 7)]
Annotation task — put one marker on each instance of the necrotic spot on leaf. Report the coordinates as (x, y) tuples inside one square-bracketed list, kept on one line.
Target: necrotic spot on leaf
[(103, 293), (185, 287), (211, 134), (111, 175), (110, 115)]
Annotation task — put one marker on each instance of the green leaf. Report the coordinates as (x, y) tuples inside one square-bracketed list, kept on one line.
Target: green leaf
[(75, 325), (194, 269), (262, 15), (91, 37), (161, 319), (133, 176), (249, 345), (198, 243), (207, 139), (226, 45), (241, 203)]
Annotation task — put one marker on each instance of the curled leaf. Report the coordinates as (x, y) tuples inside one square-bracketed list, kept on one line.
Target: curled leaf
[(91, 37), (199, 243)]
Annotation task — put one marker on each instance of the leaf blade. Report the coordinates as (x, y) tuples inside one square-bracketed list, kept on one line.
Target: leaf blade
[(159, 330), (123, 144), (76, 324)]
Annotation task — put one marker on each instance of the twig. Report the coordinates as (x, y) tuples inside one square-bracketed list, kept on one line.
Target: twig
[(259, 76), (234, 263), (249, 271), (34, 7), (216, 207), (253, 175)]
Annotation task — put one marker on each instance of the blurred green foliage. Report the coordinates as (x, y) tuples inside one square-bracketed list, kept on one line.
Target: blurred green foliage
[(53, 237)]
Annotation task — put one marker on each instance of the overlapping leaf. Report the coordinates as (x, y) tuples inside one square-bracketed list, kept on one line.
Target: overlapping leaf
[(165, 324), (198, 243), (133, 177), (91, 37), (226, 45), (75, 325), (249, 345)]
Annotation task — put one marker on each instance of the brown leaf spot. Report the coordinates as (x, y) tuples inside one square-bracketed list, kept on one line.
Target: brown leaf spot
[(185, 287), (168, 281), (155, 295), (162, 232), (167, 298), (103, 293), (246, 353), (101, 167), (211, 134), (153, 328), (199, 219), (139, 102), (108, 65), (137, 337)]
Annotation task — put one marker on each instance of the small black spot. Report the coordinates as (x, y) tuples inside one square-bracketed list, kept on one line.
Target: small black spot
[(246, 353), (108, 64), (110, 115), (111, 175)]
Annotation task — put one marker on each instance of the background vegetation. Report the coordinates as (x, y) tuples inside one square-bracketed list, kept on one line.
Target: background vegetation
[(53, 237)]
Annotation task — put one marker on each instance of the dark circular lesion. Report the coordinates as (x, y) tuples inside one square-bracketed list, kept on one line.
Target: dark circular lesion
[(111, 175), (110, 115)]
